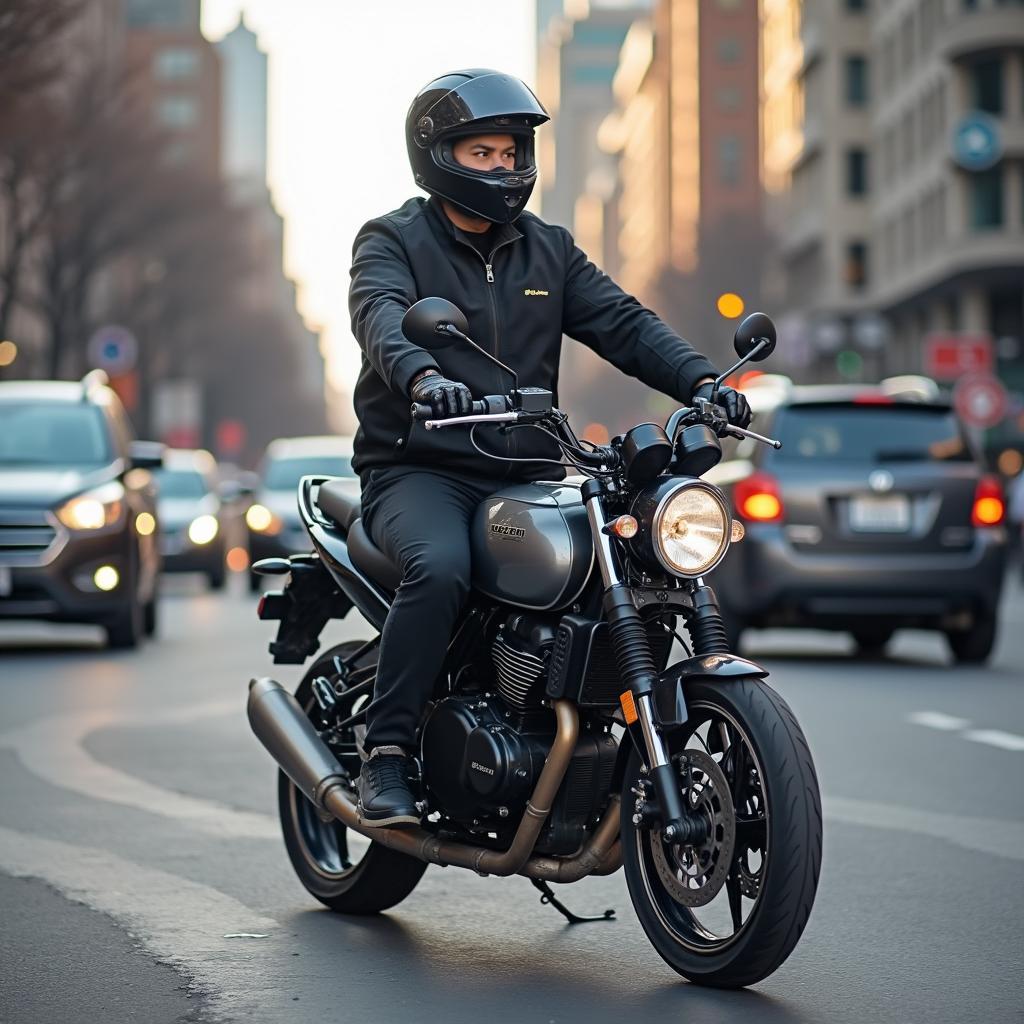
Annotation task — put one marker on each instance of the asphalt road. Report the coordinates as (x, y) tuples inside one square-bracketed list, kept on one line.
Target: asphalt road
[(142, 875)]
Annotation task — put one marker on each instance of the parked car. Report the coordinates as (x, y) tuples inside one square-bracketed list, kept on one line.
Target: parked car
[(874, 515), (272, 519), (78, 517), (192, 526)]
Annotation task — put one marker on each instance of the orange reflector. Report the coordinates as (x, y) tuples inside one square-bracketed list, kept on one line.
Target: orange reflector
[(628, 706), (238, 559)]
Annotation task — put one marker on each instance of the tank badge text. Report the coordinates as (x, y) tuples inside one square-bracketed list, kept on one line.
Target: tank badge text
[(512, 532)]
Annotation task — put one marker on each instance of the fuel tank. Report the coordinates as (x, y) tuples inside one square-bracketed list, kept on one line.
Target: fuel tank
[(532, 545)]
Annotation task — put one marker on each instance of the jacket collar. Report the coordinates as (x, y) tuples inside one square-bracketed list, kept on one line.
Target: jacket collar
[(503, 233)]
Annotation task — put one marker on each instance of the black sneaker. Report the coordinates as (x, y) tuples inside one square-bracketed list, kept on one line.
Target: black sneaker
[(385, 796)]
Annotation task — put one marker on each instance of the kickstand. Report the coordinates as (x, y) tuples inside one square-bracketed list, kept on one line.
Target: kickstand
[(547, 896)]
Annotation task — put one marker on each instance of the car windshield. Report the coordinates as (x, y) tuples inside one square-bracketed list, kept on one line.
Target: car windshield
[(180, 483), (285, 474), (53, 434), (869, 433)]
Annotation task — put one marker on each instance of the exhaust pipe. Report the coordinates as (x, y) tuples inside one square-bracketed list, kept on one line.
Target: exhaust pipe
[(283, 728)]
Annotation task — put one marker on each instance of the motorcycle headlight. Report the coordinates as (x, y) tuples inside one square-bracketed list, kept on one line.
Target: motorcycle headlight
[(95, 509), (691, 529), (203, 529)]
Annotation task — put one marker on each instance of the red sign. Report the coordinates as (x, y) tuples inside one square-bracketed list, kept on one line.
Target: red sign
[(950, 356), (230, 437), (980, 400)]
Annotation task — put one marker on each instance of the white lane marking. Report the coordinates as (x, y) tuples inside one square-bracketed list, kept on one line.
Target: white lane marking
[(938, 720), (51, 748), (996, 738), (1001, 838), (182, 922)]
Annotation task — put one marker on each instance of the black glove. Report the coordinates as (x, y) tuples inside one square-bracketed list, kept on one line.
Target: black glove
[(737, 411), (445, 397)]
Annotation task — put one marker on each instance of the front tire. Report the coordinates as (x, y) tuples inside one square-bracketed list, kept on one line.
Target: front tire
[(342, 869), (749, 730), (125, 632)]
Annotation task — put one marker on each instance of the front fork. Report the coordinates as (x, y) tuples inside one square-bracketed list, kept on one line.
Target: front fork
[(638, 671)]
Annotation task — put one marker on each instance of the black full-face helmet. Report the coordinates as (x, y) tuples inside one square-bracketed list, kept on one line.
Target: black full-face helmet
[(474, 102)]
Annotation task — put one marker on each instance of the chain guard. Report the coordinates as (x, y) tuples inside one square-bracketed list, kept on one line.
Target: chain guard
[(694, 875)]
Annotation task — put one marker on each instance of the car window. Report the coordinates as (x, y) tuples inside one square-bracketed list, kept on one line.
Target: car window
[(180, 483), (53, 434), (284, 474), (869, 433)]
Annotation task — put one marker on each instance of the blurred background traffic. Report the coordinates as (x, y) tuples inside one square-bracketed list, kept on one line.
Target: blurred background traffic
[(180, 184)]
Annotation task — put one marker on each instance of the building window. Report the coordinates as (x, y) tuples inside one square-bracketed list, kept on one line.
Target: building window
[(856, 270), (856, 81), (987, 85), (856, 172), (987, 199), (729, 98), (177, 111), (856, 5), (175, 62), (729, 160), (729, 50)]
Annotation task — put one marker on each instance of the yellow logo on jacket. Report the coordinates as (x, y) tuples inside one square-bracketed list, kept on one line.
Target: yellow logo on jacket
[(534, 291)]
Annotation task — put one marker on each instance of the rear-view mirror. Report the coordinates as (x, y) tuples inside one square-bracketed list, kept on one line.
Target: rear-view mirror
[(422, 319)]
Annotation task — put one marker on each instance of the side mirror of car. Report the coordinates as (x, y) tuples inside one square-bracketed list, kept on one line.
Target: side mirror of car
[(755, 329), (146, 455), (422, 319)]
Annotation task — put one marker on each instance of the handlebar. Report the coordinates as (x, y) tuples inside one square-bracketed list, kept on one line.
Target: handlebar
[(421, 411)]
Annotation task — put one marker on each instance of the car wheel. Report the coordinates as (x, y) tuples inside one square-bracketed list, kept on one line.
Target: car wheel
[(125, 632), (254, 582), (871, 642), (973, 646), (217, 577), (149, 617)]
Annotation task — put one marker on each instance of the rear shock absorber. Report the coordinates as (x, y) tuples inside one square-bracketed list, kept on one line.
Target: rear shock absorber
[(707, 631)]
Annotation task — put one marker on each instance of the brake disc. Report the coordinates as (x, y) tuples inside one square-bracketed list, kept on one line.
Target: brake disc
[(694, 875)]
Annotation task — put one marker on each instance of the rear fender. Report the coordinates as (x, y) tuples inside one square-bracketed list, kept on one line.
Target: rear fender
[(669, 696)]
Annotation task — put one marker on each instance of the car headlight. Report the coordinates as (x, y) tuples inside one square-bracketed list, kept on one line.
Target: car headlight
[(203, 529), (690, 530), (260, 519), (95, 509)]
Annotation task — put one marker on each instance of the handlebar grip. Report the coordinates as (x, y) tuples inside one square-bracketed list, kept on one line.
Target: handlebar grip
[(422, 411)]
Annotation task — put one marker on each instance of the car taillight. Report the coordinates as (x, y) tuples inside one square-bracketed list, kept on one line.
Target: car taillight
[(757, 498), (989, 508)]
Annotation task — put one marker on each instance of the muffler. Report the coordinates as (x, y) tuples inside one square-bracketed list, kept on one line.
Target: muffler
[(283, 728)]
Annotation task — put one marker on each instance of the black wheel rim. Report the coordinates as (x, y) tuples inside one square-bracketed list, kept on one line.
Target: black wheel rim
[(330, 849), (726, 918)]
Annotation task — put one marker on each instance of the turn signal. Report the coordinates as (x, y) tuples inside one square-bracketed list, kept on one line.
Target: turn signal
[(624, 527), (989, 508), (757, 498)]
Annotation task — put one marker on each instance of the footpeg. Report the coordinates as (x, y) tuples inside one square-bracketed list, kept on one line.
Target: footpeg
[(548, 897)]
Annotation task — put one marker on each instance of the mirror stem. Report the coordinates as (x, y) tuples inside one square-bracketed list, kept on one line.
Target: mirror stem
[(445, 328), (732, 369)]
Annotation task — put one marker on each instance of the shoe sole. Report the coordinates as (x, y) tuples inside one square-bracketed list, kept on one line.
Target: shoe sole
[(396, 819)]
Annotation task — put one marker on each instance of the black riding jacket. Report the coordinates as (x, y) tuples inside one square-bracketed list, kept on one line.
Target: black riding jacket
[(535, 286)]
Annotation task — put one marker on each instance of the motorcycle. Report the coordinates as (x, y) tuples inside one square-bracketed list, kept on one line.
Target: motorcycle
[(559, 743)]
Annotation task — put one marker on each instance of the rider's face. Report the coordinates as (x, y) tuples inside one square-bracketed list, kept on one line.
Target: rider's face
[(486, 152)]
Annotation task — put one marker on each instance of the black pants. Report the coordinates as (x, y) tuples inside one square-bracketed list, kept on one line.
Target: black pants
[(421, 521)]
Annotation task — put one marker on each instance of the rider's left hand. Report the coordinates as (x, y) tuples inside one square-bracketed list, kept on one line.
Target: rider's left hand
[(737, 410)]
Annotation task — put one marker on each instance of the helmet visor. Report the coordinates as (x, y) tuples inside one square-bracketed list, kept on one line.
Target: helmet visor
[(501, 100)]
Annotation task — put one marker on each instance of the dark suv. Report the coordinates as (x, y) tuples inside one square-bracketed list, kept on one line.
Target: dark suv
[(78, 526), (875, 514)]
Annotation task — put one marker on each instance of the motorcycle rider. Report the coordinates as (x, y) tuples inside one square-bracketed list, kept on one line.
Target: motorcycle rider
[(522, 284)]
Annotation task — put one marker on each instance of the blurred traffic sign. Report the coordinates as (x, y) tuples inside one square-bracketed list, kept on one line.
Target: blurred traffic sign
[(977, 145), (230, 437), (113, 348), (980, 400), (949, 356)]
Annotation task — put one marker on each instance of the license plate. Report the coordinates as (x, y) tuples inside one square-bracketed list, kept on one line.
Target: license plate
[(6, 581), (890, 514)]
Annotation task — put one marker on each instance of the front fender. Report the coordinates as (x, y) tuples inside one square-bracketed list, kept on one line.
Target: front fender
[(668, 697)]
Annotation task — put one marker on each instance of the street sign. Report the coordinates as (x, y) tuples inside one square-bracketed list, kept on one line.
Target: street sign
[(948, 356), (980, 400), (113, 348), (977, 145)]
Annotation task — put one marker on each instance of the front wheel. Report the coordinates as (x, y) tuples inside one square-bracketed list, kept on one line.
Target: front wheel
[(343, 869), (728, 912)]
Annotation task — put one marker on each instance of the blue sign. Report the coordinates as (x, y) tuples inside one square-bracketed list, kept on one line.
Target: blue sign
[(976, 142), (113, 348)]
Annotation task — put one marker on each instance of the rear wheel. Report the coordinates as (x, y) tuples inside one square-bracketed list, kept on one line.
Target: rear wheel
[(728, 912), (974, 646), (343, 869)]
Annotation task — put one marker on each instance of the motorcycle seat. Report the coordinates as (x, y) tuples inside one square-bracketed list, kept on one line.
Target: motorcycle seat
[(336, 500), (370, 560)]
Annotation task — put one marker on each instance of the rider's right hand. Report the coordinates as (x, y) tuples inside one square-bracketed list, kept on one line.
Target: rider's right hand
[(445, 397)]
